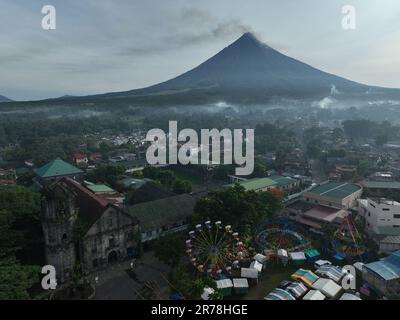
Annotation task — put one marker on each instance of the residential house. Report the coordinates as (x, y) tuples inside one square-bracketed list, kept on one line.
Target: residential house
[(79, 158)]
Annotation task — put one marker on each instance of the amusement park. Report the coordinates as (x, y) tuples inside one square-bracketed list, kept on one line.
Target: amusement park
[(280, 260)]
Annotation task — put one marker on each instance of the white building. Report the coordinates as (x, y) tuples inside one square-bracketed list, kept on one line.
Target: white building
[(382, 221)]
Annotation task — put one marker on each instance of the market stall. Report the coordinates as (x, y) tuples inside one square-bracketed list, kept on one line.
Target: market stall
[(240, 286), (298, 258), (306, 276), (330, 271), (225, 285), (297, 289), (328, 287), (279, 294), (314, 295), (312, 255)]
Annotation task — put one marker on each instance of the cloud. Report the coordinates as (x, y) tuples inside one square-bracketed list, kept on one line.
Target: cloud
[(200, 27), (114, 45)]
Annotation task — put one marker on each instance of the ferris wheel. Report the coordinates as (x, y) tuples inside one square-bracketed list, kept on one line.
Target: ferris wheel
[(214, 249)]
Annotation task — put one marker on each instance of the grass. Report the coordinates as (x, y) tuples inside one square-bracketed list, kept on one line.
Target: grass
[(269, 280)]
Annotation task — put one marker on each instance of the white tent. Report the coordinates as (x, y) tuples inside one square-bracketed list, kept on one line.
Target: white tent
[(260, 258), (320, 263), (240, 283), (224, 283), (206, 293), (349, 296), (314, 295), (328, 287), (283, 256), (297, 256), (250, 273), (256, 265)]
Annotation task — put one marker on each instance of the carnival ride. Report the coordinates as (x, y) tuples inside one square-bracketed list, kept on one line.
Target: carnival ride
[(214, 249), (347, 240), (278, 235), (276, 238)]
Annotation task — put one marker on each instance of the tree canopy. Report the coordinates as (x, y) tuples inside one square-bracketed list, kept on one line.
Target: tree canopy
[(19, 222), (170, 248), (238, 207)]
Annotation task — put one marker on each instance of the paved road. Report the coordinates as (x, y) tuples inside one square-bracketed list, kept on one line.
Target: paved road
[(116, 284)]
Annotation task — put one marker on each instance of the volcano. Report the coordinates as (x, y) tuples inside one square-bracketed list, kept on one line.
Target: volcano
[(248, 71), (4, 99)]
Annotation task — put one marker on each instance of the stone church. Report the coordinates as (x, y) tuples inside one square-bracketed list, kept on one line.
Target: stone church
[(83, 230)]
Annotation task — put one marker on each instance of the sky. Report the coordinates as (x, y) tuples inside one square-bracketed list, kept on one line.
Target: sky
[(103, 46)]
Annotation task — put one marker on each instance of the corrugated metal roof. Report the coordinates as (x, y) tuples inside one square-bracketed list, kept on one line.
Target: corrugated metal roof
[(258, 183), (388, 268), (158, 213), (338, 190), (99, 188), (282, 181)]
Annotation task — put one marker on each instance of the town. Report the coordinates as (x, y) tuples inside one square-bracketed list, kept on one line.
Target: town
[(114, 227)]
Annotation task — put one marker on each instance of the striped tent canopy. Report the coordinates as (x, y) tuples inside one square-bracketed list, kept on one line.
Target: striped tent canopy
[(297, 289), (332, 272), (306, 276), (279, 294)]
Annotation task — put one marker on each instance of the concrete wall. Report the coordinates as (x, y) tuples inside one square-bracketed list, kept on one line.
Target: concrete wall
[(114, 232), (346, 203), (380, 215)]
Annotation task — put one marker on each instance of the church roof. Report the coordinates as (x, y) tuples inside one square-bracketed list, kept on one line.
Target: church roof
[(158, 213), (91, 207)]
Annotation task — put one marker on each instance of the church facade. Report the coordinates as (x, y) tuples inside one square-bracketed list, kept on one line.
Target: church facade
[(84, 231)]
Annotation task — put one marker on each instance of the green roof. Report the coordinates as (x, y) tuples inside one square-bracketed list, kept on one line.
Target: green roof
[(282, 181), (158, 213), (257, 183), (57, 168), (99, 188), (338, 190), (311, 253)]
